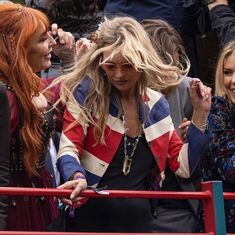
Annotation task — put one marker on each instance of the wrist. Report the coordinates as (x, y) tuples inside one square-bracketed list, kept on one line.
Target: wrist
[(78, 175), (200, 116), (201, 127), (66, 64), (199, 120)]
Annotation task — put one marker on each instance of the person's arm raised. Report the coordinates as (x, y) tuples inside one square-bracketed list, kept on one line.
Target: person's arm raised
[(201, 101)]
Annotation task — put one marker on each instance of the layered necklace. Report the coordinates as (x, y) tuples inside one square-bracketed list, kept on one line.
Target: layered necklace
[(128, 156)]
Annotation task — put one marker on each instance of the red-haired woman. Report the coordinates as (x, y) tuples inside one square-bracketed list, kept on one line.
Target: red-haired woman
[(26, 47)]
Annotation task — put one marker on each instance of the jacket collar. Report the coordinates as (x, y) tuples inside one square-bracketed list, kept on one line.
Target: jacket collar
[(143, 107)]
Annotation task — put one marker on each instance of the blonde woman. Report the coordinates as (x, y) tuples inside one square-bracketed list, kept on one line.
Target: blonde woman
[(219, 161), (118, 132)]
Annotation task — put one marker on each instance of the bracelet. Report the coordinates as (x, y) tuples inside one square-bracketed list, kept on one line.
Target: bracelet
[(79, 177), (203, 126)]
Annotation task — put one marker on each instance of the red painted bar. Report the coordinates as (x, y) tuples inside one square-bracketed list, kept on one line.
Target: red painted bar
[(206, 195), (208, 206), (107, 193), (229, 196), (66, 233)]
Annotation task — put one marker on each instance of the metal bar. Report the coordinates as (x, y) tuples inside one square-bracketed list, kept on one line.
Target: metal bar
[(229, 196), (106, 193), (214, 208), (83, 233)]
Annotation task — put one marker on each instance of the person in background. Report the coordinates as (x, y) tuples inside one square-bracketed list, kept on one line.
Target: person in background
[(218, 162), (117, 130), (168, 10), (169, 46), (4, 152), (25, 50), (174, 215), (222, 19), (78, 17)]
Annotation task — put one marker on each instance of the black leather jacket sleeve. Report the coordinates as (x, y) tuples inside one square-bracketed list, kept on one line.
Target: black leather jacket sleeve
[(4, 153), (223, 22)]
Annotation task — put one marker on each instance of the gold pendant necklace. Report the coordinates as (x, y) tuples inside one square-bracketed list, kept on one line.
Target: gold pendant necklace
[(128, 157), (126, 165)]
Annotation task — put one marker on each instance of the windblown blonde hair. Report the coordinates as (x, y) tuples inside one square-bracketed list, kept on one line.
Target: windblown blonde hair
[(126, 36), (228, 50)]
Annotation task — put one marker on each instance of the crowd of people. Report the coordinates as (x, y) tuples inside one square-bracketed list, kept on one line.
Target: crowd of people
[(113, 105)]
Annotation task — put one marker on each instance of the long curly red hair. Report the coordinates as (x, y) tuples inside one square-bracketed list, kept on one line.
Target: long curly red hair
[(17, 25)]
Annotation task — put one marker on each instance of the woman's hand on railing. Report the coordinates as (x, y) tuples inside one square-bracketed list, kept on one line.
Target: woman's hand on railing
[(78, 183)]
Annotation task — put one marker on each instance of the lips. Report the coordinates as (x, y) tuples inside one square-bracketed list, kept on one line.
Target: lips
[(121, 81), (48, 56), (231, 93)]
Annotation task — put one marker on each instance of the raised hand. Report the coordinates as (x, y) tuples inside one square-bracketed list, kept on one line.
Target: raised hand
[(82, 46), (201, 100), (65, 47)]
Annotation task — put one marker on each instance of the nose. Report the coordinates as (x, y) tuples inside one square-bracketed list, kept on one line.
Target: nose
[(119, 72), (51, 40)]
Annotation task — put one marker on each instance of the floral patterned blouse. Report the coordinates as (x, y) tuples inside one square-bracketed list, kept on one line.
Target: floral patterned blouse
[(219, 161)]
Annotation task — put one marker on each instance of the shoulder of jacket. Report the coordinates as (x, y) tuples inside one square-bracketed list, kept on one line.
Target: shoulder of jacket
[(82, 89), (153, 95)]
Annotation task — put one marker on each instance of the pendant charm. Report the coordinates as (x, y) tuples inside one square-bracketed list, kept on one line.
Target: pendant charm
[(126, 165)]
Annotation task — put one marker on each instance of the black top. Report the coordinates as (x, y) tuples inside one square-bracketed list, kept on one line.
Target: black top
[(4, 151), (120, 214), (223, 22)]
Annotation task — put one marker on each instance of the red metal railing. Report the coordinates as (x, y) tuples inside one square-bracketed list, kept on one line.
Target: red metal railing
[(209, 195), (66, 233), (107, 193), (229, 196)]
